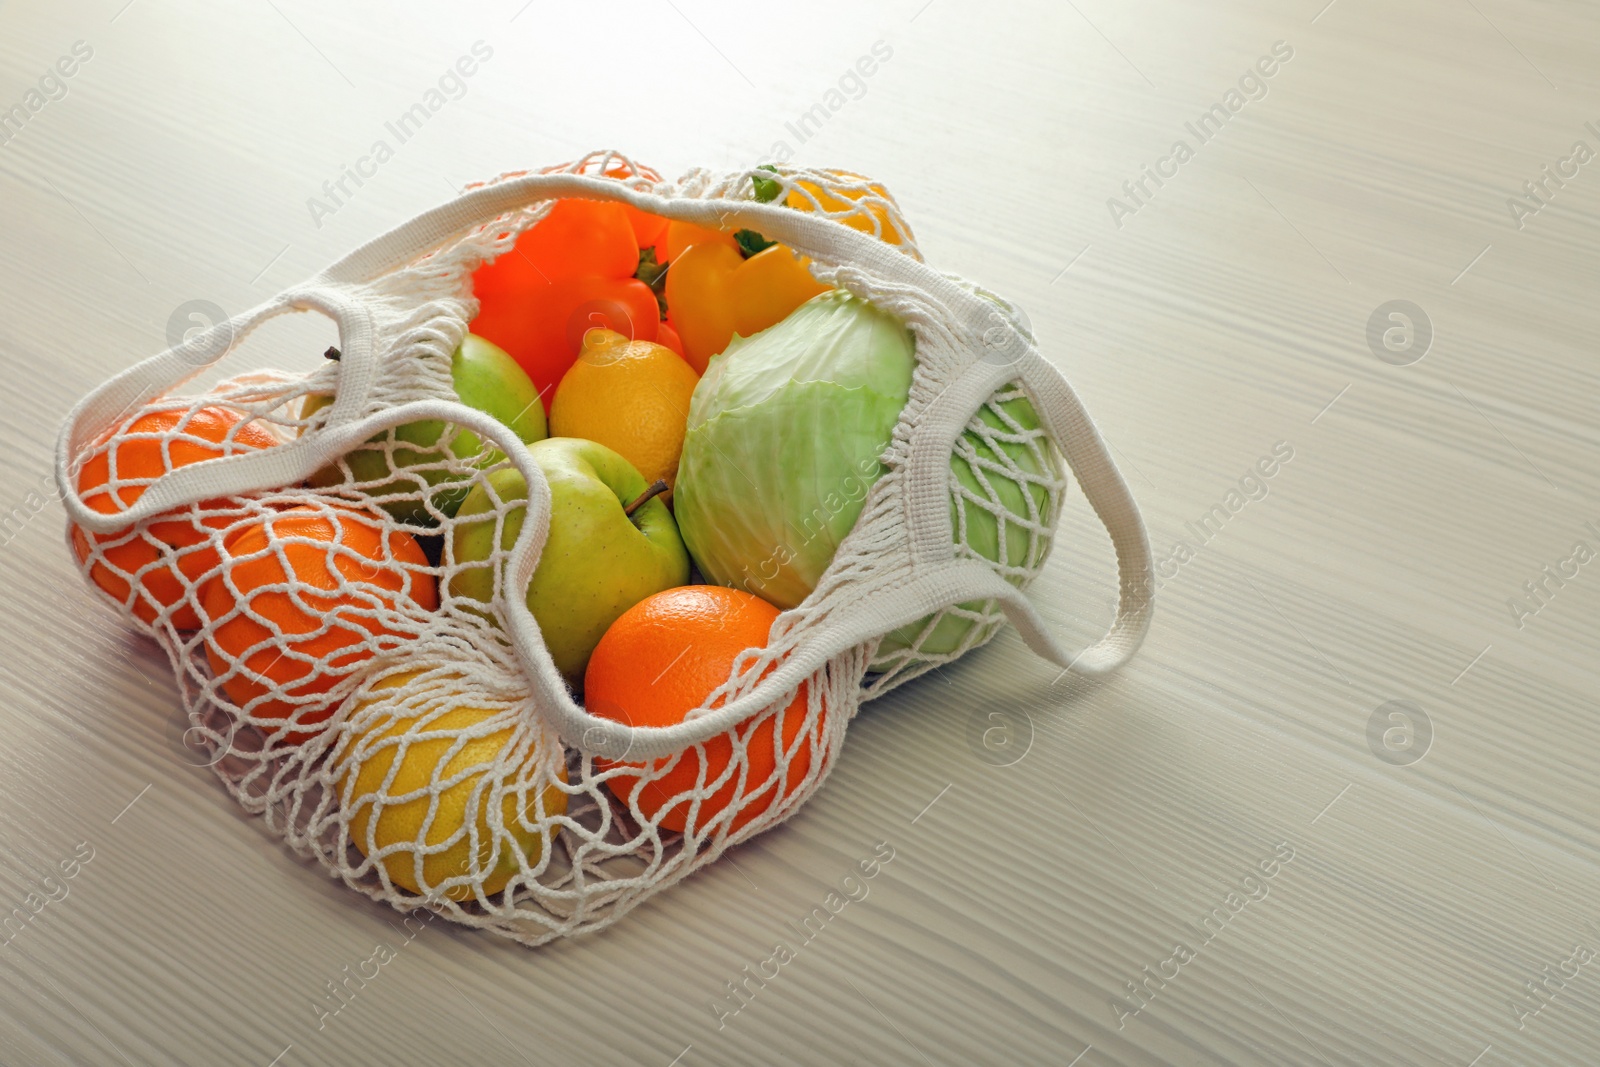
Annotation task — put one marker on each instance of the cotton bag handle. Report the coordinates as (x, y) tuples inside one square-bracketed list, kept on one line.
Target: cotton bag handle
[(269, 468), (939, 579), (1006, 354)]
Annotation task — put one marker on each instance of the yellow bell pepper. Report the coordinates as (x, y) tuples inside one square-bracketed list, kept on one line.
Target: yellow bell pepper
[(714, 293), (682, 235), (769, 285)]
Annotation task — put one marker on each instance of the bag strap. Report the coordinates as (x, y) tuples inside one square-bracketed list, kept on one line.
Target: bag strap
[(1108, 494), (1074, 432), (1007, 353), (940, 579), (114, 399)]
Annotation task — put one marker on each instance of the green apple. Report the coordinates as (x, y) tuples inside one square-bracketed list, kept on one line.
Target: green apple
[(598, 560), (485, 378)]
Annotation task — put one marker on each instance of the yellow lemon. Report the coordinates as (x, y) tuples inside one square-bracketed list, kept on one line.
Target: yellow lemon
[(423, 735), (632, 397)]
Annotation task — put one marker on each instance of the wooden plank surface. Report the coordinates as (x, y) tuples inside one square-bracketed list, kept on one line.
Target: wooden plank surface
[(1366, 906)]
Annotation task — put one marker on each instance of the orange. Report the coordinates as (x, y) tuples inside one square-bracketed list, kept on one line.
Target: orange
[(632, 397), (170, 556), (282, 647), (658, 662), (871, 217)]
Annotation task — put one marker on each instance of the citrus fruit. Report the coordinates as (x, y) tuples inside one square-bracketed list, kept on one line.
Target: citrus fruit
[(632, 397), (301, 602), (660, 661), (421, 724), (871, 217), (169, 556)]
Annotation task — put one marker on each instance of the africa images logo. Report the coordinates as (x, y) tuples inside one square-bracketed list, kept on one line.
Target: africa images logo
[(744, 987), (1252, 85), (1143, 989), (452, 85), (52, 85)]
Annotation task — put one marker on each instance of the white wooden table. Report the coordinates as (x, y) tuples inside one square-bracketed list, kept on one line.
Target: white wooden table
[(1379, 890)]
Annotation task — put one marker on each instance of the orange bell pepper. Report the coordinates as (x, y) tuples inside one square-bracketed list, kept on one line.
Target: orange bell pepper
[(543, 330), (714, 293), (667, 337), (577, 237), (648, 229), (569, 273)]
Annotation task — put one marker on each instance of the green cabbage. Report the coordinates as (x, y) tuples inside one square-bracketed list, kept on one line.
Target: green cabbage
[(982, 528), (784, 436)]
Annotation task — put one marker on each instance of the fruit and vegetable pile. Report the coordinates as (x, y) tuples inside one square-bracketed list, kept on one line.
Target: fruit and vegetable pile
[(710, 419)]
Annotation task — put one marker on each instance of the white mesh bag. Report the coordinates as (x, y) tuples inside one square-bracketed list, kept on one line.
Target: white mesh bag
[(421, 746)]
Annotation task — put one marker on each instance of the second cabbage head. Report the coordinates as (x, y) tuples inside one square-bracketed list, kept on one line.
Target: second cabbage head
[(785, 432)]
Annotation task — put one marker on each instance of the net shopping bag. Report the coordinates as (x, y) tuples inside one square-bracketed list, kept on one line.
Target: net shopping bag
[(421, 745)]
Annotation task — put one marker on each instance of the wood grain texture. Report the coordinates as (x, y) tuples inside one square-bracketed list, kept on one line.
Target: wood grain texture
[(1225, 315)]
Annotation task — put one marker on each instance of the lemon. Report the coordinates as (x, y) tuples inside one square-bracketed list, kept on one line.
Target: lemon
[(397, 729), (632, 397)]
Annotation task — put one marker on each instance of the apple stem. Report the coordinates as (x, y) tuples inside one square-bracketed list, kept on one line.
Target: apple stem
[(656, 488)]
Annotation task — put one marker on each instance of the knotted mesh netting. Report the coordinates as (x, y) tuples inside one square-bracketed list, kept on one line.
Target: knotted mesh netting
[(350, 686)]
